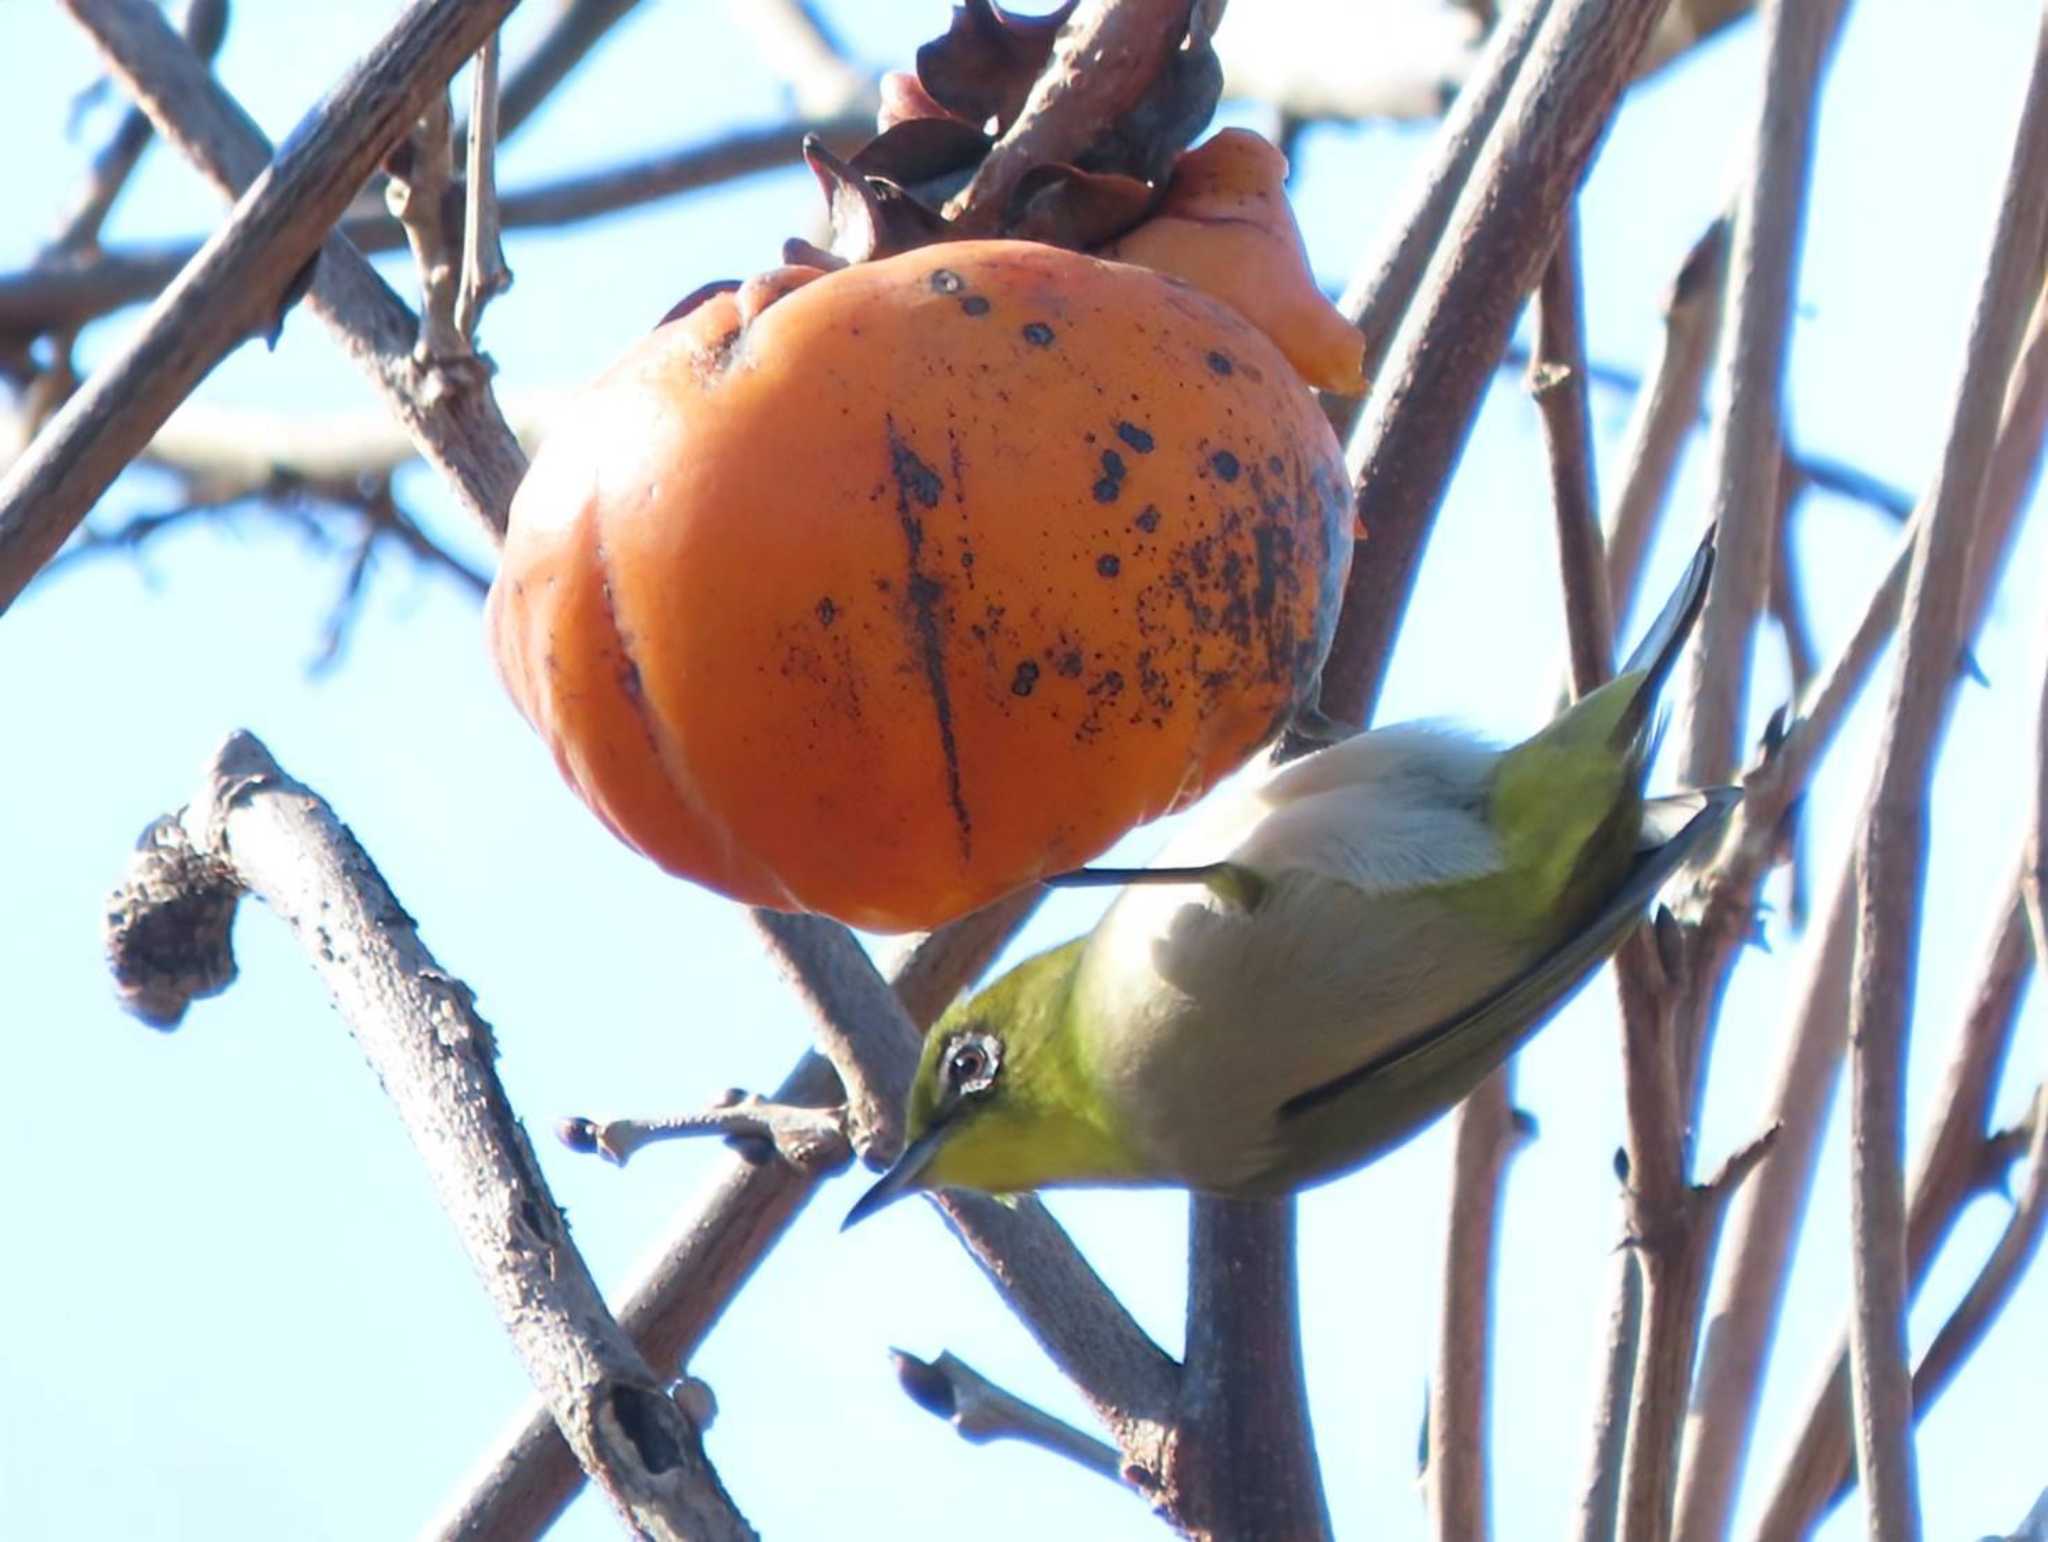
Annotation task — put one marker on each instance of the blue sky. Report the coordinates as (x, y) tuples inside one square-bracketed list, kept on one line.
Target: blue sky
[(235, 1308)]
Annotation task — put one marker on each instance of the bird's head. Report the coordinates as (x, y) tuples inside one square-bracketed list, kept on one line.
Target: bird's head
[(1001, 1101)]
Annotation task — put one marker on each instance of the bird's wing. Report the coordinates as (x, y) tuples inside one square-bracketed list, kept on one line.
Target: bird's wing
[(1430, 1070)]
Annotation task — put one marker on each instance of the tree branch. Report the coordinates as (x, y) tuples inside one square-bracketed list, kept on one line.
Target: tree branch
[(744, 1210), (1243, 1459), (1891, 856), (1487, 1132), (1502, 231), (1749, 434), (1665, 412), (461, 433), (233, 288), (1382, 286), (981, 1411), (254, 830)]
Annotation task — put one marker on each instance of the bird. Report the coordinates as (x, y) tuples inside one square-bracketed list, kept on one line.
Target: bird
[(1321, 964)]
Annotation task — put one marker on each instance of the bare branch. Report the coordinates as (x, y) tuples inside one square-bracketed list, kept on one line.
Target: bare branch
[(1243, 1463), (579, 27), (813, 1139), (39, 299), (744, 1211), (484, 274), (1956, 1162), (1958, 1337), (1891, 857), (1749, 434), (1383, 285), (252, 829), (1501, 233), (1557, 381), (233, 288), (461, 434), (1487, 1132), (1674, 1278), (1599, 1516), (205, 27), (1104, 58), (981, 1411), (418, 192), (1665, 411)]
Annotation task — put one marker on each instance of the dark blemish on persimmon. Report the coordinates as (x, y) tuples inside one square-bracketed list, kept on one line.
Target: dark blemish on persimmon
[(975, 305), (1038, 334), (917, 483), (1148, 518), (1220, 362), (1025, 681), (1069, 664), (1108, 565), (1110, 485), (1135, 437), (946, 281), (827, 611), (1224, 464)]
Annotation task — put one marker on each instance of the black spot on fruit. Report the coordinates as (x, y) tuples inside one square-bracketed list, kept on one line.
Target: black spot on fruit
[(975, 305), (827, 611), (1220, 363), (946, 281), (1148, 518), (1025, 681), (1038, 334), (1111, 483), (1069, 664), (1224, 464), (1108, 565), (1135, 437)]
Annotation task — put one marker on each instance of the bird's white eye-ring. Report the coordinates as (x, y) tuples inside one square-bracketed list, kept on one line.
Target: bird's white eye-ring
[(972, 1061)]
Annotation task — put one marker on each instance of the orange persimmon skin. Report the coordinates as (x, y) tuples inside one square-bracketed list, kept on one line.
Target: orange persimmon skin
[(933, 577)]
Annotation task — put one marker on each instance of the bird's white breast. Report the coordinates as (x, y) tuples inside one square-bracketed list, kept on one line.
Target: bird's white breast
[(1201, 1018)]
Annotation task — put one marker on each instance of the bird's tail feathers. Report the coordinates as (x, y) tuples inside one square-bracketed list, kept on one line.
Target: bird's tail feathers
[(1654, 657), (1665, 819)]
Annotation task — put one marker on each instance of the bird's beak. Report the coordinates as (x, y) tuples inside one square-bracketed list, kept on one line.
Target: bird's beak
[(898, 1180)]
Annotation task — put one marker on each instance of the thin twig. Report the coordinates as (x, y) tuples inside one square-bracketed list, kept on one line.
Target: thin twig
[(461, 434), (484, 274), (1749, 434), (1666, 410), (1599, 1516), (1964, 1329), (1891, 856), (233, 288), (1951, 1170), (418, 191), (813, 1139), (205, 27), (1557, 381), (252, 829), (1451, 337), (1385, 282), (578, 28), (42, 299), (981, 1411), (744, 1210), (1105, 57), (1486, 1133)]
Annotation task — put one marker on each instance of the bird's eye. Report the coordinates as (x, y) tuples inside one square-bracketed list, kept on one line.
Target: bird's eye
[(971, 1063)]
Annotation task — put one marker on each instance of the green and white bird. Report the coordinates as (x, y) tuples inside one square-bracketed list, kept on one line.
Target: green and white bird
[(1322, 964)]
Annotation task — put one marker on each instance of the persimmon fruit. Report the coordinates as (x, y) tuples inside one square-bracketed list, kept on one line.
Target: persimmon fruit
[(881, 592)]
